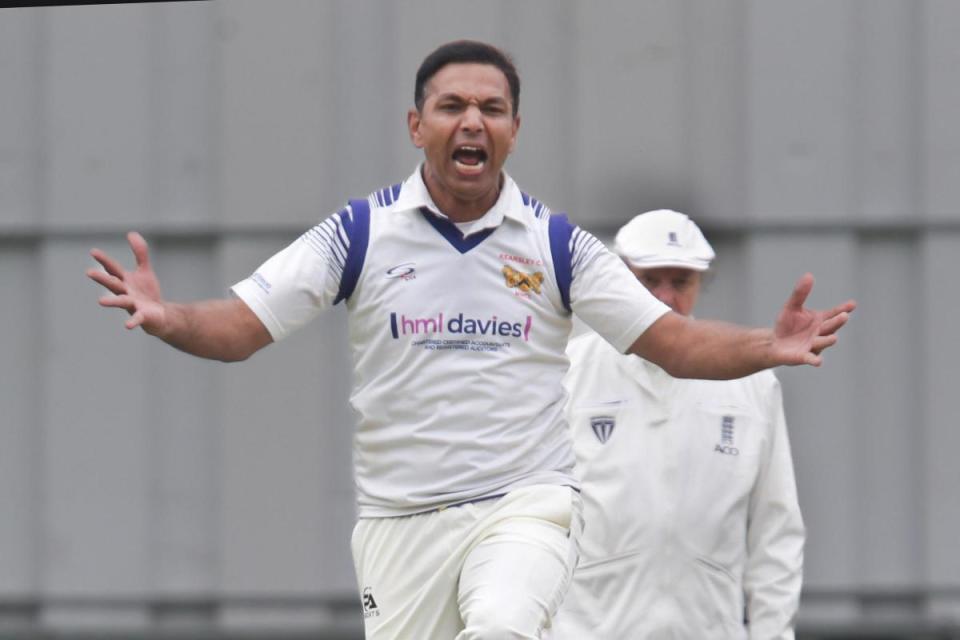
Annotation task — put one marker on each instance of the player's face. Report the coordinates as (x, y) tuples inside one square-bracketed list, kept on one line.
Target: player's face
[(677, 288), (466, 129)]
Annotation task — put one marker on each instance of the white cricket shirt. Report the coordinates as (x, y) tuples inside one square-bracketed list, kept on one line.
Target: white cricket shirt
[(458, 342), (690, 504)]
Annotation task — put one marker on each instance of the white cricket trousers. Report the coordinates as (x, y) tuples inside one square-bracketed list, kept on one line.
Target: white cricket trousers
[(495, 569)]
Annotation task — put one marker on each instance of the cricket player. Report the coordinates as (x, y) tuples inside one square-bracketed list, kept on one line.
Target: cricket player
[(460, 289)]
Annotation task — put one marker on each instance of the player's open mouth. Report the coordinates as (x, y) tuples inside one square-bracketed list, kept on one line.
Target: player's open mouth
[(470, 159)]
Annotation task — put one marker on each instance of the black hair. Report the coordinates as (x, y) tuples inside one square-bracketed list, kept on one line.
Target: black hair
[(466, 51)]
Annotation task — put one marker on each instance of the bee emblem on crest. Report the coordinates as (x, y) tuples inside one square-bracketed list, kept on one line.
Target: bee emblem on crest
[(525, 282)]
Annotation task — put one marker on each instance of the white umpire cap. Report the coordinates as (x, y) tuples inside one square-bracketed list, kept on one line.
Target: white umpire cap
[(663, 238)]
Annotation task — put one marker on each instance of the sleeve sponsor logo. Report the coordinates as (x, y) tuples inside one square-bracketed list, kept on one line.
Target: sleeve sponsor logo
[(262, 282)]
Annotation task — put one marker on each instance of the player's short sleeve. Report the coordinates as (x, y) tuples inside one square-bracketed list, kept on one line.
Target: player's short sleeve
[(606, 295), (296, 284)]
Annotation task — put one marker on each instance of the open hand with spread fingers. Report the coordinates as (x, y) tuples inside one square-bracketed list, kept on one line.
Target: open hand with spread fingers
[(801, 334), (137, 291)]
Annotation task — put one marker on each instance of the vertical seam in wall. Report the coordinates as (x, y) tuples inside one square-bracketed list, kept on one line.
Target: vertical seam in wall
[(42, 164), (916, 85)]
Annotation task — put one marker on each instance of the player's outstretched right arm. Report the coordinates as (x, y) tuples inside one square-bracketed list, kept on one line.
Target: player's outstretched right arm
[(224, 330)]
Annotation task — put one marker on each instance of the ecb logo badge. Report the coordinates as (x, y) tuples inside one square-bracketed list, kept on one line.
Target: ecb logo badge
[(726, 438), (602, 427)]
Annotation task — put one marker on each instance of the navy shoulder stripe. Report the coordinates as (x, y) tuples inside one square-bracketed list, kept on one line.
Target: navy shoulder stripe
[(356, 224), (539, 209), (560, 231), (387, 195)]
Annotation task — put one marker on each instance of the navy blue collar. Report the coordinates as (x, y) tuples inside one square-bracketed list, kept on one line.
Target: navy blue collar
[(453, 234)]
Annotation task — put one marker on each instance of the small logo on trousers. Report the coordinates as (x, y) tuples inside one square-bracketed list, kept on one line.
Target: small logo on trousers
[(369, 604)]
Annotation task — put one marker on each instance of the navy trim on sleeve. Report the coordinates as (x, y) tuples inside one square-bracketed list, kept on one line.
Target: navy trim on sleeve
[(560, 230), (356, 225)]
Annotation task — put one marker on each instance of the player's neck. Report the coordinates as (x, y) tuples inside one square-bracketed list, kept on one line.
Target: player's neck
[(458, 208)]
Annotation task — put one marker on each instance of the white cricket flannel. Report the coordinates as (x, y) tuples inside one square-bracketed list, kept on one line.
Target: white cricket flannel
[(458, 343), (690, 504)]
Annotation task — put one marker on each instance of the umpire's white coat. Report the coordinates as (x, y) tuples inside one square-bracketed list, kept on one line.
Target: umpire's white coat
[(690, 504)]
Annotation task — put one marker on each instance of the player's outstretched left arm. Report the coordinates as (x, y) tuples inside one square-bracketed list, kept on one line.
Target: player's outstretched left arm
[(692, 348)]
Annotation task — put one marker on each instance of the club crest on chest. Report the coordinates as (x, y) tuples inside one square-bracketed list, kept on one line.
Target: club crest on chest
[(525, 283), (603, 427)]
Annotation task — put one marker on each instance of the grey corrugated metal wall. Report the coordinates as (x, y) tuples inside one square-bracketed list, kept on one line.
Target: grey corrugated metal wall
[(141, 488)]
